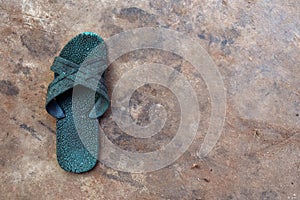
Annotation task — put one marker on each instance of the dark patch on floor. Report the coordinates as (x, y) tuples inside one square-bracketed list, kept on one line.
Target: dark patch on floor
[(20, 68), (269, 195), (8, 88), (123, 177), (40, 43), (134, 14), (30, 130), (227, 38), (2, 162), (46, 126), (231, 34), (213, 39), (202, 36), (112, 29)]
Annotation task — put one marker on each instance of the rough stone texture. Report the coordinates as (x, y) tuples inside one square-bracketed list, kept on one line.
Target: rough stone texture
[(256, 46)]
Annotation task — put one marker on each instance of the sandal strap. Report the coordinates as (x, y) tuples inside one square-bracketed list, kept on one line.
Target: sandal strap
[(68, 74)]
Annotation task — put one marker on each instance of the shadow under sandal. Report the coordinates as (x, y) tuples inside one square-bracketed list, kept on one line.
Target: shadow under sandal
[(76, 98)]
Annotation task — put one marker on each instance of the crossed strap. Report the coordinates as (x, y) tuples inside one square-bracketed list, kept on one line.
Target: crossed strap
[(68, 74)]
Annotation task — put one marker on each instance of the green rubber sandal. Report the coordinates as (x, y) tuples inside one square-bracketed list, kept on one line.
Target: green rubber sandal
[(76, 98)]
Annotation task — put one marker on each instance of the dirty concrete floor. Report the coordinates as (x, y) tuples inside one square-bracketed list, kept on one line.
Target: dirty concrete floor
[(255, 45)]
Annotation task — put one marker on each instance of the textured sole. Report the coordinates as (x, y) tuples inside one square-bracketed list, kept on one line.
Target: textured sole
[(77, 137)]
